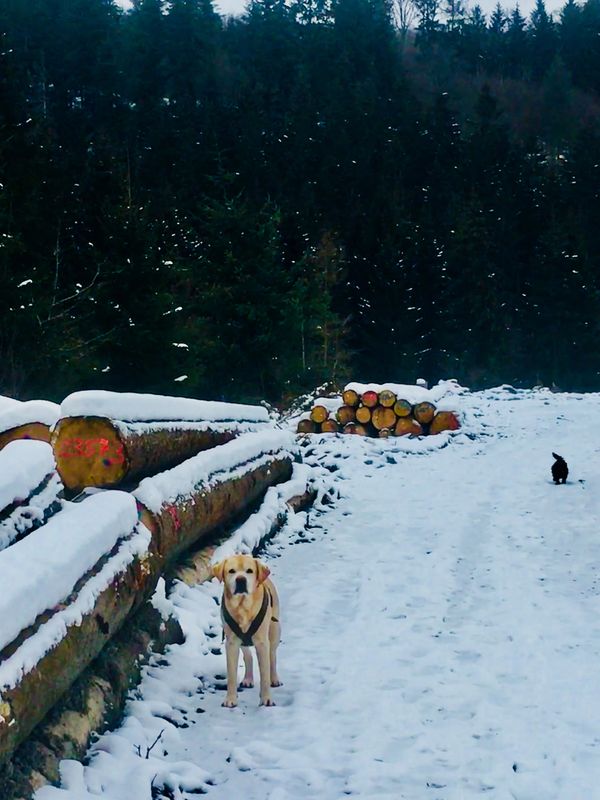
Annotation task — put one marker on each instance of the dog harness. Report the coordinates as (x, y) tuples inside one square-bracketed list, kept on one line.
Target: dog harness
[(246, 636)]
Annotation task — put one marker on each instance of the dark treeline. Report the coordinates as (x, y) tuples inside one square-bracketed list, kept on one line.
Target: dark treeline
[(313, 190)]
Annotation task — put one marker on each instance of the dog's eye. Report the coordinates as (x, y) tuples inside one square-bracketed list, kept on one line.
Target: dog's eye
[(231, 571), (249, 571)]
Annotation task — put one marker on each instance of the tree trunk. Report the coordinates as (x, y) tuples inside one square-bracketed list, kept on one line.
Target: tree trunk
[(444, 421), (363, 415), (350, 398), (319, 414), (402, 408), (174, 529), (32, 430), (424, 412), (346, 414), (96, 451), (407, 426), (383, 417)]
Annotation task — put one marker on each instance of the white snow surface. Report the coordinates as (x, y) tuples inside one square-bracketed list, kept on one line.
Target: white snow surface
[(7, 402), (209, 467), (441, 635), (29, 411), (23, 466), (132, 407), (39, 506), (42, 569)]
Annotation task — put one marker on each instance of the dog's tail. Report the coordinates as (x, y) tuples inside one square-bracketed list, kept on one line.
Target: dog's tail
[(557, 457)]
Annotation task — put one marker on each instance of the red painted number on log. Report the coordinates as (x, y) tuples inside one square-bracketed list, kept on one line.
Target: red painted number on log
[(172, 510), (89, 448)]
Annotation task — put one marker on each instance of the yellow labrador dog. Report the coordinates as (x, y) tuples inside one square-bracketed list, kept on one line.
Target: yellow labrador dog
[(250, 613)]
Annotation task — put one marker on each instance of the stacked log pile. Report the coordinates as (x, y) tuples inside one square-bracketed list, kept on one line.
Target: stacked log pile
[(379, 412), (189, 494)]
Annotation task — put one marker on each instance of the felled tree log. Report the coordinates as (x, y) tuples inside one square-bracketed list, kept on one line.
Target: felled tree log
[(319, 414), (444, 421), (385, 433), (370, 399), (345, 414), (363, 415), (29, 420), (387, 398), (307, 426), (330, 426), (95, 451), (424, 412), (402, 408), (407, 426), (174, 527), (350, 398), (355, 429), (383, 417)]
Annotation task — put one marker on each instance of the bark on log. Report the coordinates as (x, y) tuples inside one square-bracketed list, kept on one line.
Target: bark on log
[(32, 430), (407, 426), (319, 414), (383, 417), (95, 451), (424, 412), (350, 398), (370, 399), (345, 414), (402, 408), (363, 415), (174, 530), (330, 426), (307, 426), (355, 429), (387, 398), (444, 421)]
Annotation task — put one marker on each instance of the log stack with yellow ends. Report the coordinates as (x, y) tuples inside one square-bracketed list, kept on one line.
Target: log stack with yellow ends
[(379, 411)]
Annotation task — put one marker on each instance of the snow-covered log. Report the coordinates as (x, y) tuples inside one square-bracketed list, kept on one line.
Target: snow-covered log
[(29, 488), (29, 420), (72, 584), (107, 439), (184, 504)]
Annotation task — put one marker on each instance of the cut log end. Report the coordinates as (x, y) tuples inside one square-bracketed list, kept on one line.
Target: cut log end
[(355, 429), (319, 414), (330, 426), (363, 415), (370, 399), (350, 398), (345, 414), (407, 426), (32, 430), (402, 408), (424, 412), (387, 398), (444, 421), (89, 451), (307, 426), (383, 418)]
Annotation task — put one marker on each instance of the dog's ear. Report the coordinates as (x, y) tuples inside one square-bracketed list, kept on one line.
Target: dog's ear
[(556, 457), (218, 571), (262, 570)]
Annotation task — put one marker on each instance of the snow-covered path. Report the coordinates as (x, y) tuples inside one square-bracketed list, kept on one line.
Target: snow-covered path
[(441, 636)]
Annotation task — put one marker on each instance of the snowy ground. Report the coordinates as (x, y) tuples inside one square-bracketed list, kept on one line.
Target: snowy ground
[(441, 634)]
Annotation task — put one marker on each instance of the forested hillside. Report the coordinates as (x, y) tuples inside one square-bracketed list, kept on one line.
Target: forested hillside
[(242, 208)]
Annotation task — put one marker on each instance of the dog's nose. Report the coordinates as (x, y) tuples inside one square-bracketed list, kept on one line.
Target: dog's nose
[(241, 587)]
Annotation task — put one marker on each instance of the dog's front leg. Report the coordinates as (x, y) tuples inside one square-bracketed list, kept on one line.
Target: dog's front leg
[(232, 648), (248, 679), (264, 666)]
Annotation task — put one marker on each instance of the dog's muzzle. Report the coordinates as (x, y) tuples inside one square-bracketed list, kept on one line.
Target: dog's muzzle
[(241, 587)]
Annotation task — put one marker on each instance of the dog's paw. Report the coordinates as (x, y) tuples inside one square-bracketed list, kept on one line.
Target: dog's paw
[(276, 683), (229, 703), (267, 702), (247, 684)]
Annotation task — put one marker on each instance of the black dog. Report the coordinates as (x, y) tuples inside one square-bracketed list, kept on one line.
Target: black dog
[(560, 470)]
